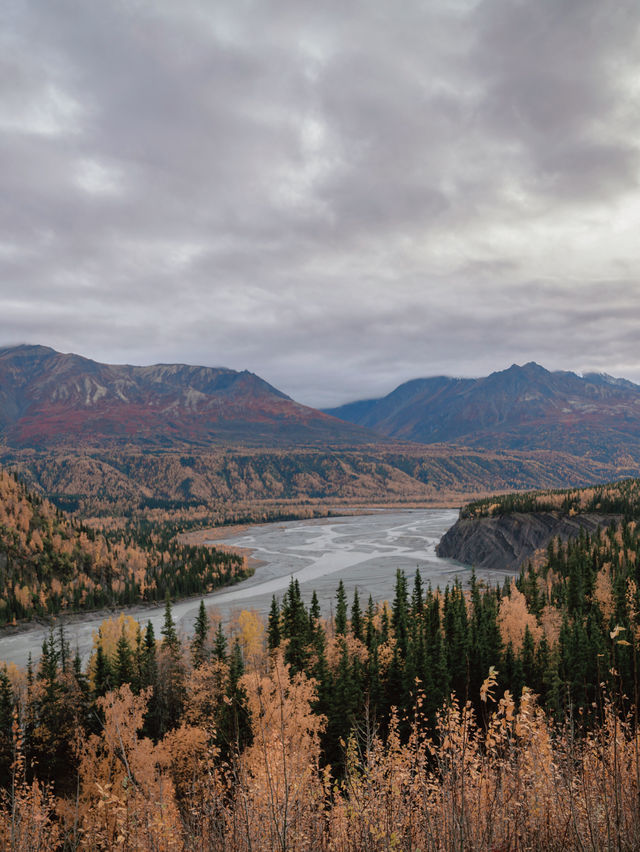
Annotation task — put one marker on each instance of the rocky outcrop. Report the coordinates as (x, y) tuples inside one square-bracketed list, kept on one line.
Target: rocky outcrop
[(504, 543)]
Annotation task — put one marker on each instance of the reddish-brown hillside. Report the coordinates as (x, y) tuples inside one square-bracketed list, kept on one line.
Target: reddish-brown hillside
[(48, 399)]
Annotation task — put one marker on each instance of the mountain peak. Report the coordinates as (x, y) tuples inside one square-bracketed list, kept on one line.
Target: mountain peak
[(50, 399), (521, 408)]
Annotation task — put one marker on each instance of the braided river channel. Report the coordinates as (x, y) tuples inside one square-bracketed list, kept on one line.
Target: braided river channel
[(364, 551)]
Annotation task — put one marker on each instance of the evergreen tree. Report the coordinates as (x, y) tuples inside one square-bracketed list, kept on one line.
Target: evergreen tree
[(273, 627), (170, 690), (457, 640), (148, 663), (233, 729), (399, 618), (102, 678), (123, 668), (356, 617), (343, 708), (417, 597), (295, 628), (314, 609), (168, 630), (6, 722), (220, 644), (199, 650), (314, 618), (370, 630), (341, 610), (149, 677)]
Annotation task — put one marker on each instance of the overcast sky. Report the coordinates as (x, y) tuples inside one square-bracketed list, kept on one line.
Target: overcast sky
[(338, 196)]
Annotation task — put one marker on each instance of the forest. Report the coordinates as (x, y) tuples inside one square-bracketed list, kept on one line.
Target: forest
[(464, 718), (52, 563)]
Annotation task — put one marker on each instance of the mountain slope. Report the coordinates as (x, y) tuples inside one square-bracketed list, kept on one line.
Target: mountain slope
[(521, 408), (50, 563), (48, 399)]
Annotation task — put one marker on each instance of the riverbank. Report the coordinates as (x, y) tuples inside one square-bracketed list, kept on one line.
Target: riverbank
[(364, 551)]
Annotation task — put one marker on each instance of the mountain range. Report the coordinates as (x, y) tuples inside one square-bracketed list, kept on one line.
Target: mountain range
[(51, 400), (522, 408), (101, 435)]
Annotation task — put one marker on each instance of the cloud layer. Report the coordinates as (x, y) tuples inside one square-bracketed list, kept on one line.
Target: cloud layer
[(337, 196)]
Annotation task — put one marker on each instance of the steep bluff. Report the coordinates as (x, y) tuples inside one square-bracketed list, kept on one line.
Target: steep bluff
[(507, 541)]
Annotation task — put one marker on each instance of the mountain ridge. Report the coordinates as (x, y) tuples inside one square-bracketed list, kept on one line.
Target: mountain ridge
[(521, 408), (51, 399)]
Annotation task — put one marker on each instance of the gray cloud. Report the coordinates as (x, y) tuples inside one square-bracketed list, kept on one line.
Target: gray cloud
[(337, 196)]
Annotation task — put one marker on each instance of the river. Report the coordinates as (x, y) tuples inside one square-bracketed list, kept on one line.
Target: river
[(363, 551)]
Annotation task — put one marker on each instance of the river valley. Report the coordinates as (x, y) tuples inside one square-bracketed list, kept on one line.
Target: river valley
[(363, 551)]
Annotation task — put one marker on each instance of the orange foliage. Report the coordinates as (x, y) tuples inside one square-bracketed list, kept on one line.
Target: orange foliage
[(127, 799), (280, 791), (514, 618), (251, 634), (205, 689), (27, 810), (603, 592)]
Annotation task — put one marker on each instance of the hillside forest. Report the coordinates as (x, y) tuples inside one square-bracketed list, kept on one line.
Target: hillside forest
[(475, 718), (50, 563)]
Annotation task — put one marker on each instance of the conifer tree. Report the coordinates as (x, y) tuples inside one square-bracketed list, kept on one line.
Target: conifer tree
[(343, 706), (341, 610), (370, 629), (457, 640), (149, 678), (295, 628), (149, 663), (199, 651), (102, 677), (168, 630), (527, 657), (171, 676), (356, 616), (273, 626), (234, 722), (399, 618), (123, 666), (6, 721), (220, 644), (314, 616), (417, 596)]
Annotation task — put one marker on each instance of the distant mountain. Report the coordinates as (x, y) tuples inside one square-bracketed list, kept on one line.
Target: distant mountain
[(51, 400), (521, 408)]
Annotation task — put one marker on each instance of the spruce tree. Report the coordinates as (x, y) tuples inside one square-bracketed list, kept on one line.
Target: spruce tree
[(273, 626), (149, 678), (6, 722), (314, 616), (123, 661), (233, 729), (171, 676), (370, 631), (148, 664), (400, 613), (356, 616), (341, 610), (417, 596), (168, 630), (199, 650), (102, 678), (220, 644)]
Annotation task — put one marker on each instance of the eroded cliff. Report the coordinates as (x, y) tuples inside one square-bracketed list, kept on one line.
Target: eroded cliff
[(507, 541)]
